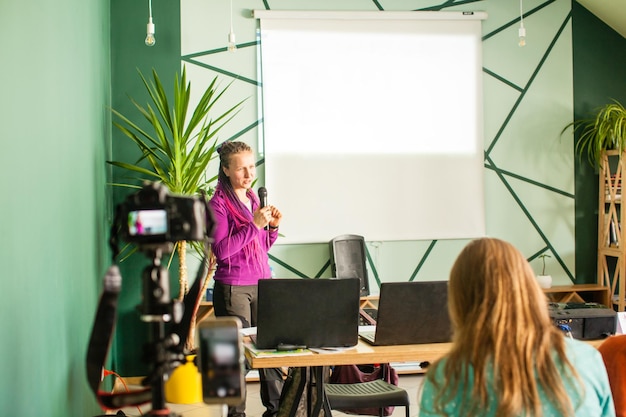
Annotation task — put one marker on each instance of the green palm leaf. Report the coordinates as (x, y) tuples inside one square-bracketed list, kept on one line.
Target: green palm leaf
[(179, 148)]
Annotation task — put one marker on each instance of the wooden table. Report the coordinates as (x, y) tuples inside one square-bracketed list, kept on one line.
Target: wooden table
[(363, 353)]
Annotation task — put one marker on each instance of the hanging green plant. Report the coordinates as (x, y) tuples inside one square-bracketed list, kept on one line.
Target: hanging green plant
[(605, 131)]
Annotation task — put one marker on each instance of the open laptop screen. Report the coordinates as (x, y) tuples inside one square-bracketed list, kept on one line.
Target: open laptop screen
[(413, 312), (309, 312)]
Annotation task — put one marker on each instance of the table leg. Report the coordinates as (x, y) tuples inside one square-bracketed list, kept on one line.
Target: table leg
[(320, 398)]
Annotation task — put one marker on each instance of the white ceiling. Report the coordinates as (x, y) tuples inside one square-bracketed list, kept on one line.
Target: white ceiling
[(611, 12)]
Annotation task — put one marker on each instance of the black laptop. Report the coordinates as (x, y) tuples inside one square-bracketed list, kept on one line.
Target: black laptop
[(314, 313), (411, 313)]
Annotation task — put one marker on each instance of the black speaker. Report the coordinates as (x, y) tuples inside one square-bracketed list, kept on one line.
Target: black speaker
[(347, 259)]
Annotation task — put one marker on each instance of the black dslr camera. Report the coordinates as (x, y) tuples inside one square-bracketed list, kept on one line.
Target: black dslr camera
[(154, 219)]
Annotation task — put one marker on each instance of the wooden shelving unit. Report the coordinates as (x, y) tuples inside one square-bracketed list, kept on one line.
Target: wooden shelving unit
[(611, 234), (580, 293)]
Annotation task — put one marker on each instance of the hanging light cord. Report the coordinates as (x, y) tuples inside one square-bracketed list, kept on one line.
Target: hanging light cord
[(232, 45), (231, 16), (522, 30)]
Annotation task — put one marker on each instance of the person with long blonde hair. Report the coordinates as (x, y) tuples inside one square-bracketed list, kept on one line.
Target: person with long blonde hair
[(507, 358)]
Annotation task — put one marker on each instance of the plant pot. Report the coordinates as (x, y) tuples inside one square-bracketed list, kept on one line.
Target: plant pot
[(185, 384), (545, 281)]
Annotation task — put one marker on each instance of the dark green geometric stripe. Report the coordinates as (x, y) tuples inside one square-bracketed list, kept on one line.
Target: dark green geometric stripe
[(217, 50), (531, 219), (224, 72), (324, 268), (530, 81), (245, 129), (424, 257), (372, 266), (288, 267), (377, 4), (503, 80), (537, 254), (528, 180), (189, 58)]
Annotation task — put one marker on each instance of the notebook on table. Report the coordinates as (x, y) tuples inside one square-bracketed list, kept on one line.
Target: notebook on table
[(411, 313), (314, 313)]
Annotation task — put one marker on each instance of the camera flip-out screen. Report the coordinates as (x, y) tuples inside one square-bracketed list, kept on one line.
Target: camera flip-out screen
[(147, 222)]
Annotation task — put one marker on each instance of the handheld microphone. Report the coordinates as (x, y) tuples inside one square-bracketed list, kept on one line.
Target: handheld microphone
[(263, 196), (263, 200)]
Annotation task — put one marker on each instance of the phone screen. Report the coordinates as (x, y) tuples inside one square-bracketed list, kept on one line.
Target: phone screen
[(221, 361)]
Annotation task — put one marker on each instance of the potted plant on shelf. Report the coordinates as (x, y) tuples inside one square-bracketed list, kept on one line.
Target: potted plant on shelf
[(605, 131), (545, 281), (177, 151)]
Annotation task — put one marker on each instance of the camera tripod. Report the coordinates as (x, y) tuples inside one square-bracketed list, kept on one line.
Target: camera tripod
[(164, 350)]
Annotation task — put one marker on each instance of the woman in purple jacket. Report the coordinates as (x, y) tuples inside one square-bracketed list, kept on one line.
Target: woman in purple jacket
[(241, 243)]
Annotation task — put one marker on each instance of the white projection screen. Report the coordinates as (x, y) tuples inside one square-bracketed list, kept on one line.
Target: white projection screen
[(373, 124)]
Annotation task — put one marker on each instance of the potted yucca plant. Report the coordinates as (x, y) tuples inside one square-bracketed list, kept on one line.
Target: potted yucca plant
[(177, 150)]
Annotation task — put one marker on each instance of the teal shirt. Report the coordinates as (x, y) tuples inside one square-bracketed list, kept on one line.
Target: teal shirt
[(597, 400)]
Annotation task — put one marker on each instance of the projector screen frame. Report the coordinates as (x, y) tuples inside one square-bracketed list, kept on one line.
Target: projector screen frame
[(476, 226)]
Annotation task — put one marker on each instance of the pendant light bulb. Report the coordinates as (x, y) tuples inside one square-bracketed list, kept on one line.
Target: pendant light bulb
[(150, 40), (232, 45), (522, 36)]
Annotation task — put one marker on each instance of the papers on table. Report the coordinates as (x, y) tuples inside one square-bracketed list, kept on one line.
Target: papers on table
[(272, 353), (248, 331)]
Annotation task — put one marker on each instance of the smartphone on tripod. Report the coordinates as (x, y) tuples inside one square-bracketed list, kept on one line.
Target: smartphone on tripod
[(221, 360)]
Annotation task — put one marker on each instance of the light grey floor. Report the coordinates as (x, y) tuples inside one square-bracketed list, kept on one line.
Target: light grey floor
[(254, 408)]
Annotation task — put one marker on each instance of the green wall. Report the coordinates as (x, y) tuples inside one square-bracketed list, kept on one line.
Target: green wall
[(129, 55), (54, 131), (599, 76)]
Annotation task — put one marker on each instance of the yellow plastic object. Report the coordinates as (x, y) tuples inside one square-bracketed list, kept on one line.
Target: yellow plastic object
[(185, 384)]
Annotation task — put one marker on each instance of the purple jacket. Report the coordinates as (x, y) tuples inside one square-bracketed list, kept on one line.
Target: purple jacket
[(240, 260)]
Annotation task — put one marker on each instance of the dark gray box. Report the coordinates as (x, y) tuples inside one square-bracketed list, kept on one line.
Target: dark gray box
[(588, 321)]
